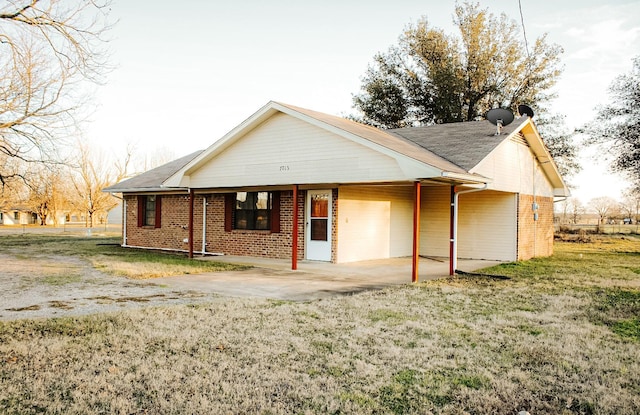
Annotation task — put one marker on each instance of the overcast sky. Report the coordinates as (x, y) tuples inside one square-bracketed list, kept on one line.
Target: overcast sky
[(188, 72)]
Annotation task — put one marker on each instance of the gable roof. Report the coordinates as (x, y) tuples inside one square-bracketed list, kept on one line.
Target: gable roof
[(380, 137), (465, 143), (153, 179), (443, 152), (374, 138)]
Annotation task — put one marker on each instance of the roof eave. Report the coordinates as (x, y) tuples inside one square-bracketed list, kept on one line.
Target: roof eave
[(146, 190), (463, 178)]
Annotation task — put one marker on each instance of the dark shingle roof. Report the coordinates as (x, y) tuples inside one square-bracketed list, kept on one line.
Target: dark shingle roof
[(465, 143), (152, 179)]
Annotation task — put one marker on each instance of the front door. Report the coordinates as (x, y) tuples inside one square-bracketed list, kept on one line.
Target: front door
[(318, 225)]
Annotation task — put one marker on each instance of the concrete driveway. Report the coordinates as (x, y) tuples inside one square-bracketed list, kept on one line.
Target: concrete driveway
[(29, 291), (271, 278)]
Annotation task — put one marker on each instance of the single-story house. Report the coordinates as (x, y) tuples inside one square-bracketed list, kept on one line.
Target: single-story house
[(18, 216), (295, 184)]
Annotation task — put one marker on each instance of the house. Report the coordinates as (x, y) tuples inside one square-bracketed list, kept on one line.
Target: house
[(298, 184), (18, 216)]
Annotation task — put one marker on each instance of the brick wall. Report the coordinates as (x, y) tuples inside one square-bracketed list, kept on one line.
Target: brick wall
[(175, 220), (173, 230), (535, 238), (252, 243)]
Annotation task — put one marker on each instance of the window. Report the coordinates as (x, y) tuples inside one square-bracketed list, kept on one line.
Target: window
[(16, 215), (149, 211), (252, 211)]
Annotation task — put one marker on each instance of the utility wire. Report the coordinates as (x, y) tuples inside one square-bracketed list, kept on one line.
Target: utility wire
[(524, 31)]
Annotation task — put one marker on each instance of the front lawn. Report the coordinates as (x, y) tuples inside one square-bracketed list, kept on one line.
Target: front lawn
[(559, 336)]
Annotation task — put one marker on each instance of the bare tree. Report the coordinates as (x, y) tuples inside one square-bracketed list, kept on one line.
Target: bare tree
[(48, 193), (576, 209), (48, 50), (571, 211), (631, 206), (604, 207), (92, 176)]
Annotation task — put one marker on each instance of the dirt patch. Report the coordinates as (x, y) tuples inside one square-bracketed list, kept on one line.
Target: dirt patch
[(35, 287)]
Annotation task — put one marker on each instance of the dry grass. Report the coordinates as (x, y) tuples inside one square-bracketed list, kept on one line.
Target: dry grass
[(103, 253), (555, 338)]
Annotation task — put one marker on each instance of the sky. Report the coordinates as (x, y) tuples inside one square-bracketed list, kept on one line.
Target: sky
[(188, 72)]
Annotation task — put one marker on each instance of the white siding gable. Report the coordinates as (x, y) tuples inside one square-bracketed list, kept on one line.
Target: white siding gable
[(513, 168), (285, 150)]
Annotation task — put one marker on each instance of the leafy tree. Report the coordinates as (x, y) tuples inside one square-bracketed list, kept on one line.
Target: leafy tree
[(48, 48), (560, 142), (616, 127), (431, 77)]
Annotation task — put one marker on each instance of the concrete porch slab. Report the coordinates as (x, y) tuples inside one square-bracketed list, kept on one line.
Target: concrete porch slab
[(273, 278)]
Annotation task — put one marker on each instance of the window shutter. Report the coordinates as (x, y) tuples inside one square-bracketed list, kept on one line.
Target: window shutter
[(158, 223), (141, 203), (228, 211), (275, 212)]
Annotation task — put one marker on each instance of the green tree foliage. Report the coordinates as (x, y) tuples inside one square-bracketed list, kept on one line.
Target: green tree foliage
[(616, 127), (559, 139), (431, 77)]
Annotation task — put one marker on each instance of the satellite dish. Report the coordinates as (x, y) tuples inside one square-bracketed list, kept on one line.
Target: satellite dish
[(499, 117), (525, 110)]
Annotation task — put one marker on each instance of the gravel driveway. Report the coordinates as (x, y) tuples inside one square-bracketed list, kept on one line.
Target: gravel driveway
[(64, 286)]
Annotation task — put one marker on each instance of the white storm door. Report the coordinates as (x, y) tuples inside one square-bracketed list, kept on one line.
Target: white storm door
[(318, 225)]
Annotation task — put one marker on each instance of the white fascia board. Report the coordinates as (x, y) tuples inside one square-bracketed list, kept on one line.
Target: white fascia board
[(414, 169), (180, 178), (466, 178), (541, 152)]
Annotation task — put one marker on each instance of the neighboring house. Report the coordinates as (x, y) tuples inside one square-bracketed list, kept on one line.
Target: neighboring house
[(18, 216), (294, 183), (24, 216)]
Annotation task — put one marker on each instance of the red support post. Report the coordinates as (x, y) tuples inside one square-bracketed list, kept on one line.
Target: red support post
[(294, 230), (452, 235), (191, 202), (416, 232)]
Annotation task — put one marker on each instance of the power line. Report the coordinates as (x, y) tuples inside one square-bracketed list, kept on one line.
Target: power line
[(524, 31)]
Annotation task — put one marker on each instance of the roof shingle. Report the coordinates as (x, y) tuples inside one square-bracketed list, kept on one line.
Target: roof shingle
[(152, 179), (465, 143)]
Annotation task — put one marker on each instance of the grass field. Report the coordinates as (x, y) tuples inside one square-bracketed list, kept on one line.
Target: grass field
[(560, 335), (105, 254)]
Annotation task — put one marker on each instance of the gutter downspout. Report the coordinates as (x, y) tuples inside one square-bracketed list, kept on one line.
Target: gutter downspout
[(204, 225), (191, 202), (124, 221), (453, 261)]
